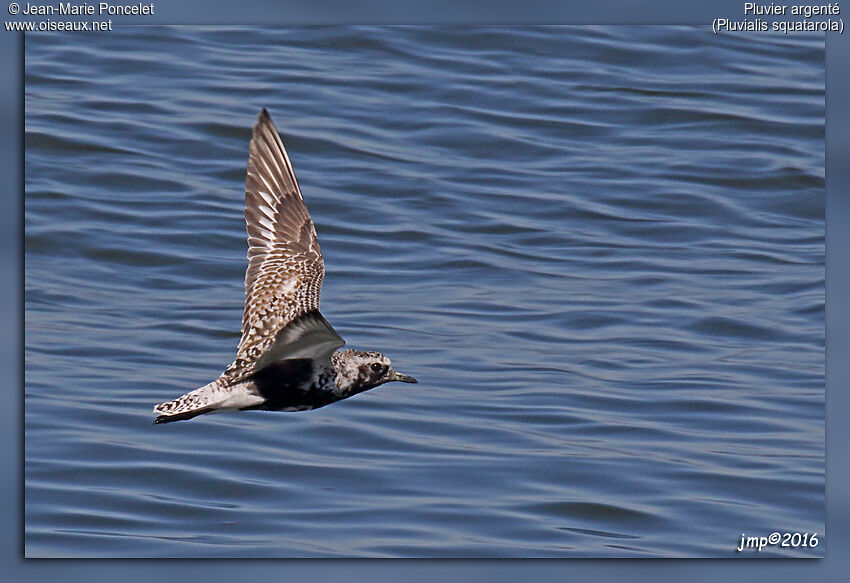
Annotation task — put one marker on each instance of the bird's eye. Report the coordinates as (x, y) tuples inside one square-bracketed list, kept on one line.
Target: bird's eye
[(376, 367)]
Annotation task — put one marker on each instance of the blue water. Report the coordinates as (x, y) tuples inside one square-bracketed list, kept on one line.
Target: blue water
[(600, 250)]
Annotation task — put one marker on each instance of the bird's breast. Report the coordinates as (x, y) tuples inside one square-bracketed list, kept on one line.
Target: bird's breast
[(296, 384)]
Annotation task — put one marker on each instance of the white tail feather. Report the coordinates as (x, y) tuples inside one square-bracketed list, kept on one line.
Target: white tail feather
[(215, 397)]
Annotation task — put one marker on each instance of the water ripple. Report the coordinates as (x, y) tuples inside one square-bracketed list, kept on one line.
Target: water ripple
[(601, 250)]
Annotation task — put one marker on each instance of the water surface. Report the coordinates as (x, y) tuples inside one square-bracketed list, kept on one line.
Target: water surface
[(599, 249)]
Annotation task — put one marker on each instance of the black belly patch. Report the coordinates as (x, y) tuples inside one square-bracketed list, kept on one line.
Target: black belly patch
[(283, 383)]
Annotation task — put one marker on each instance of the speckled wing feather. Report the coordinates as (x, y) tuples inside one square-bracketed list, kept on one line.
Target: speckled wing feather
[(285, 266)]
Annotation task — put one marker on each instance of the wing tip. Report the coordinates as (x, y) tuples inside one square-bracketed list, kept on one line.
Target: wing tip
[(264, 130)]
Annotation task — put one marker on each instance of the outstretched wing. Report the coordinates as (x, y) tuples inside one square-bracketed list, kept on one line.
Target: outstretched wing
[(285, 266)]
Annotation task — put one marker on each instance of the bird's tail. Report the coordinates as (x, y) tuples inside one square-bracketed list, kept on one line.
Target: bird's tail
[(216, 397)]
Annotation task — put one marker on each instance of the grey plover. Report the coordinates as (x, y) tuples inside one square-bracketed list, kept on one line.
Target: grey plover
[(288, 358)]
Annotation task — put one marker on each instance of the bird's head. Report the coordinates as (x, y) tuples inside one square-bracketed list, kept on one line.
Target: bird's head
[(358, 371)]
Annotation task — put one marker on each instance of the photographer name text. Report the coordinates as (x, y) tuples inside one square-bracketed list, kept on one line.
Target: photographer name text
[(100, 9)]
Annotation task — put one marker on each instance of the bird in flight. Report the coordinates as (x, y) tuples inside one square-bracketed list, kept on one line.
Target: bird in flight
[(288, 358)]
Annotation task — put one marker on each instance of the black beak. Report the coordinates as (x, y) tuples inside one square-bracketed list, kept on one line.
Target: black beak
[(397, 376)]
